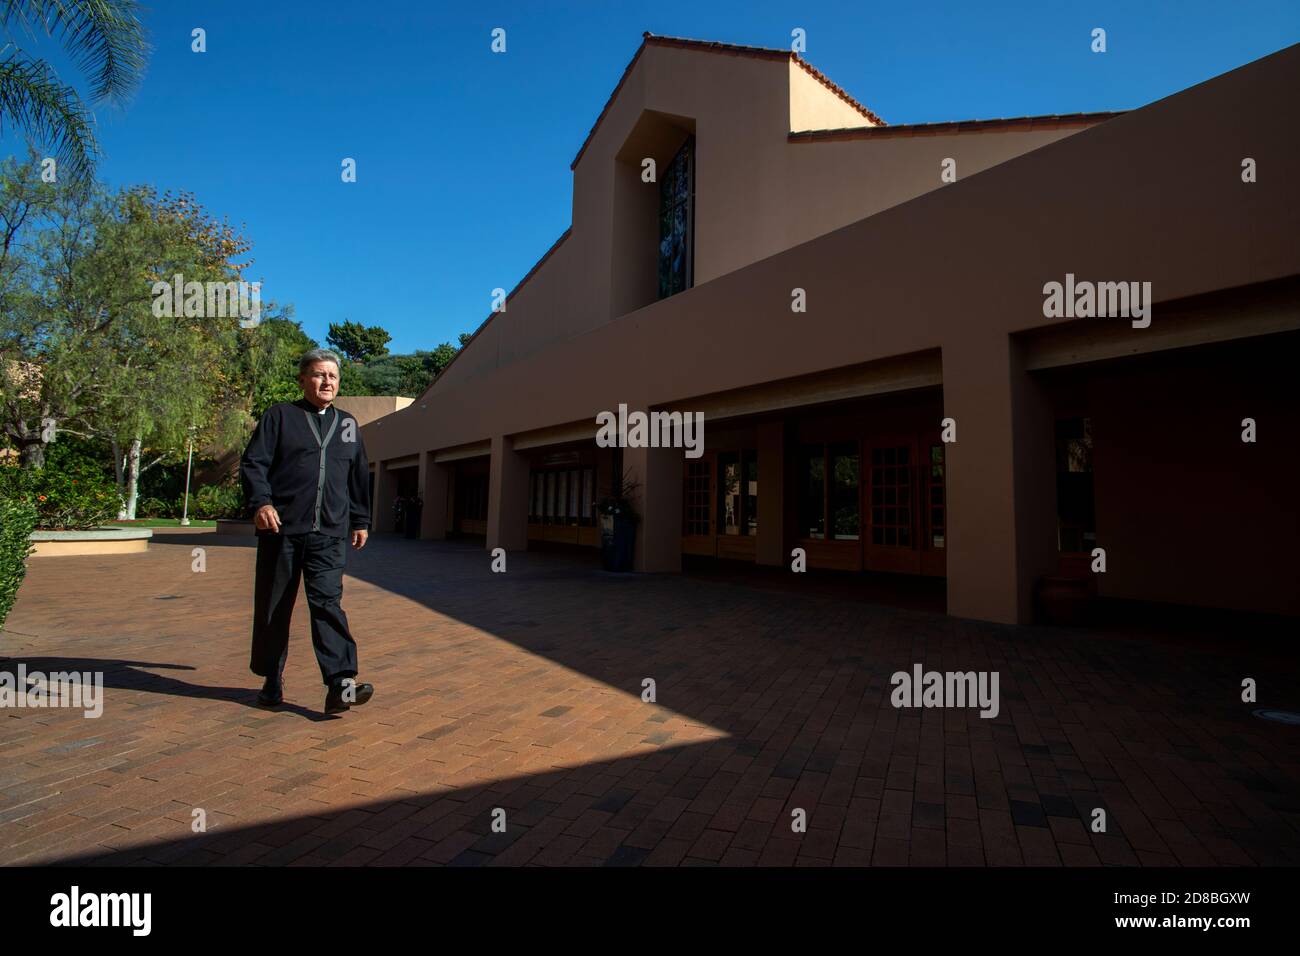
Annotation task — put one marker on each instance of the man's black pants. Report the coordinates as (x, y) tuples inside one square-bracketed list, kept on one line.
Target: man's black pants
[(283, 560)]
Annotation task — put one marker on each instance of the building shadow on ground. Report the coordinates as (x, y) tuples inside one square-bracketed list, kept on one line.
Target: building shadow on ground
[(715, 647)]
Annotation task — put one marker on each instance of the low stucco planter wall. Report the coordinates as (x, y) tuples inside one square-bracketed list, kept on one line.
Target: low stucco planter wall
[(236, 526), (51, 544)]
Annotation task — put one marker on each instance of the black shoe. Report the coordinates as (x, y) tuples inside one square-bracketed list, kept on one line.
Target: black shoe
[(340, 698), (272, 692)]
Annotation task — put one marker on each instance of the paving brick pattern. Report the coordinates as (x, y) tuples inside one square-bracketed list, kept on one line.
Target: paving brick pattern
[(523, 691)]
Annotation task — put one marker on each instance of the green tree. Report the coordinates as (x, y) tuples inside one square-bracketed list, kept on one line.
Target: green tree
[(371, 378), (84, 351), (104, 39), (52, 340), (168, 375), (357, 342), (269, 356), (408, 375), (441, 356)]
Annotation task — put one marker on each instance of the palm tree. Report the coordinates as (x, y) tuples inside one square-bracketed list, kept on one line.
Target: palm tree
[(106, 41)]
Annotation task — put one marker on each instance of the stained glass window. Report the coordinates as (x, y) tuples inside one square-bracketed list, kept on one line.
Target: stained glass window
[(677, 222)]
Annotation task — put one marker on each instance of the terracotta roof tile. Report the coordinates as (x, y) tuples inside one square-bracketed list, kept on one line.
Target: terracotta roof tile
[(1054, 121)]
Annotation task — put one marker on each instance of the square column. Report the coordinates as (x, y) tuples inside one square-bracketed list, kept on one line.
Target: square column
[(1001, 482), (435, 482), (507, 520), (659, 503), (381, 518), (770, 547)]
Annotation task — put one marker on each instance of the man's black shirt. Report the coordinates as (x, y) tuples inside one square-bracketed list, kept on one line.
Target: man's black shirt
[(281, 467)]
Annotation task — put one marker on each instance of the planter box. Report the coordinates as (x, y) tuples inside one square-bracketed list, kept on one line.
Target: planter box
[(1066, 601), (51, 544), (617, 542)]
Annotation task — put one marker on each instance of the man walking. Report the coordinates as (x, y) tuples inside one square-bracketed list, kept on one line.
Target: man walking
[(306, 479)]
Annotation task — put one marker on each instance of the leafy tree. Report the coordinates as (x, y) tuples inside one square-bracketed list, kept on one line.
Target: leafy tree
[(105, 40), (48, 358), (373, 378), (357, 342), (268, 359), (168, 376), (24, 199), (444, 353), (406, 375), (82, 349)]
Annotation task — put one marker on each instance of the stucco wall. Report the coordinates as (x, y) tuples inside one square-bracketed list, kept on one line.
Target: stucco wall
[(756, 193), (366, 408), (1186, 510), (1147, 196), (948, 269), (813, 106)]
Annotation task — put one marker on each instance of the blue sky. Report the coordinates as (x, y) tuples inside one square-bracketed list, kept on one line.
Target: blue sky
[(463, 156)]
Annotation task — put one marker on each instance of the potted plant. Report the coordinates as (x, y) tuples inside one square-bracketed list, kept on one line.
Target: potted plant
[(618, 520), (414, 505)]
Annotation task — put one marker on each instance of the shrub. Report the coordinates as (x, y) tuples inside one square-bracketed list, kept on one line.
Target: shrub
[(166, 482), (217, 501), (156, 508), (622, 494), (17, 519), (79, 457), (62, 501)]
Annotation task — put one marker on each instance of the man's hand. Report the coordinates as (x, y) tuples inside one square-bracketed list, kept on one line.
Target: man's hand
[(267, 519), (359, 539)]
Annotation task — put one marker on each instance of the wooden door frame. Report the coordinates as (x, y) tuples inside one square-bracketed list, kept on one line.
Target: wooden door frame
[(893, 558), (702, 544), (732, 547), (934, 561), (827, 551)]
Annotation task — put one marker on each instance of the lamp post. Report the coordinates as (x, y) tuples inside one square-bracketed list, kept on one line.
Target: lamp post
[(185, 509)]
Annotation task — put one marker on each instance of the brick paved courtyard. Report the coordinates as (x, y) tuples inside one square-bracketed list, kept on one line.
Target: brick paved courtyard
[(523, 691)]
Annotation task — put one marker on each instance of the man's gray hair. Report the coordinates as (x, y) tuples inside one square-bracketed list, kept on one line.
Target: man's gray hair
[(318, 355)]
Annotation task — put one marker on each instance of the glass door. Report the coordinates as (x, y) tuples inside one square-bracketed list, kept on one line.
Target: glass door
[(890, 487), (699, 522), (934, 507), (736, 518)]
